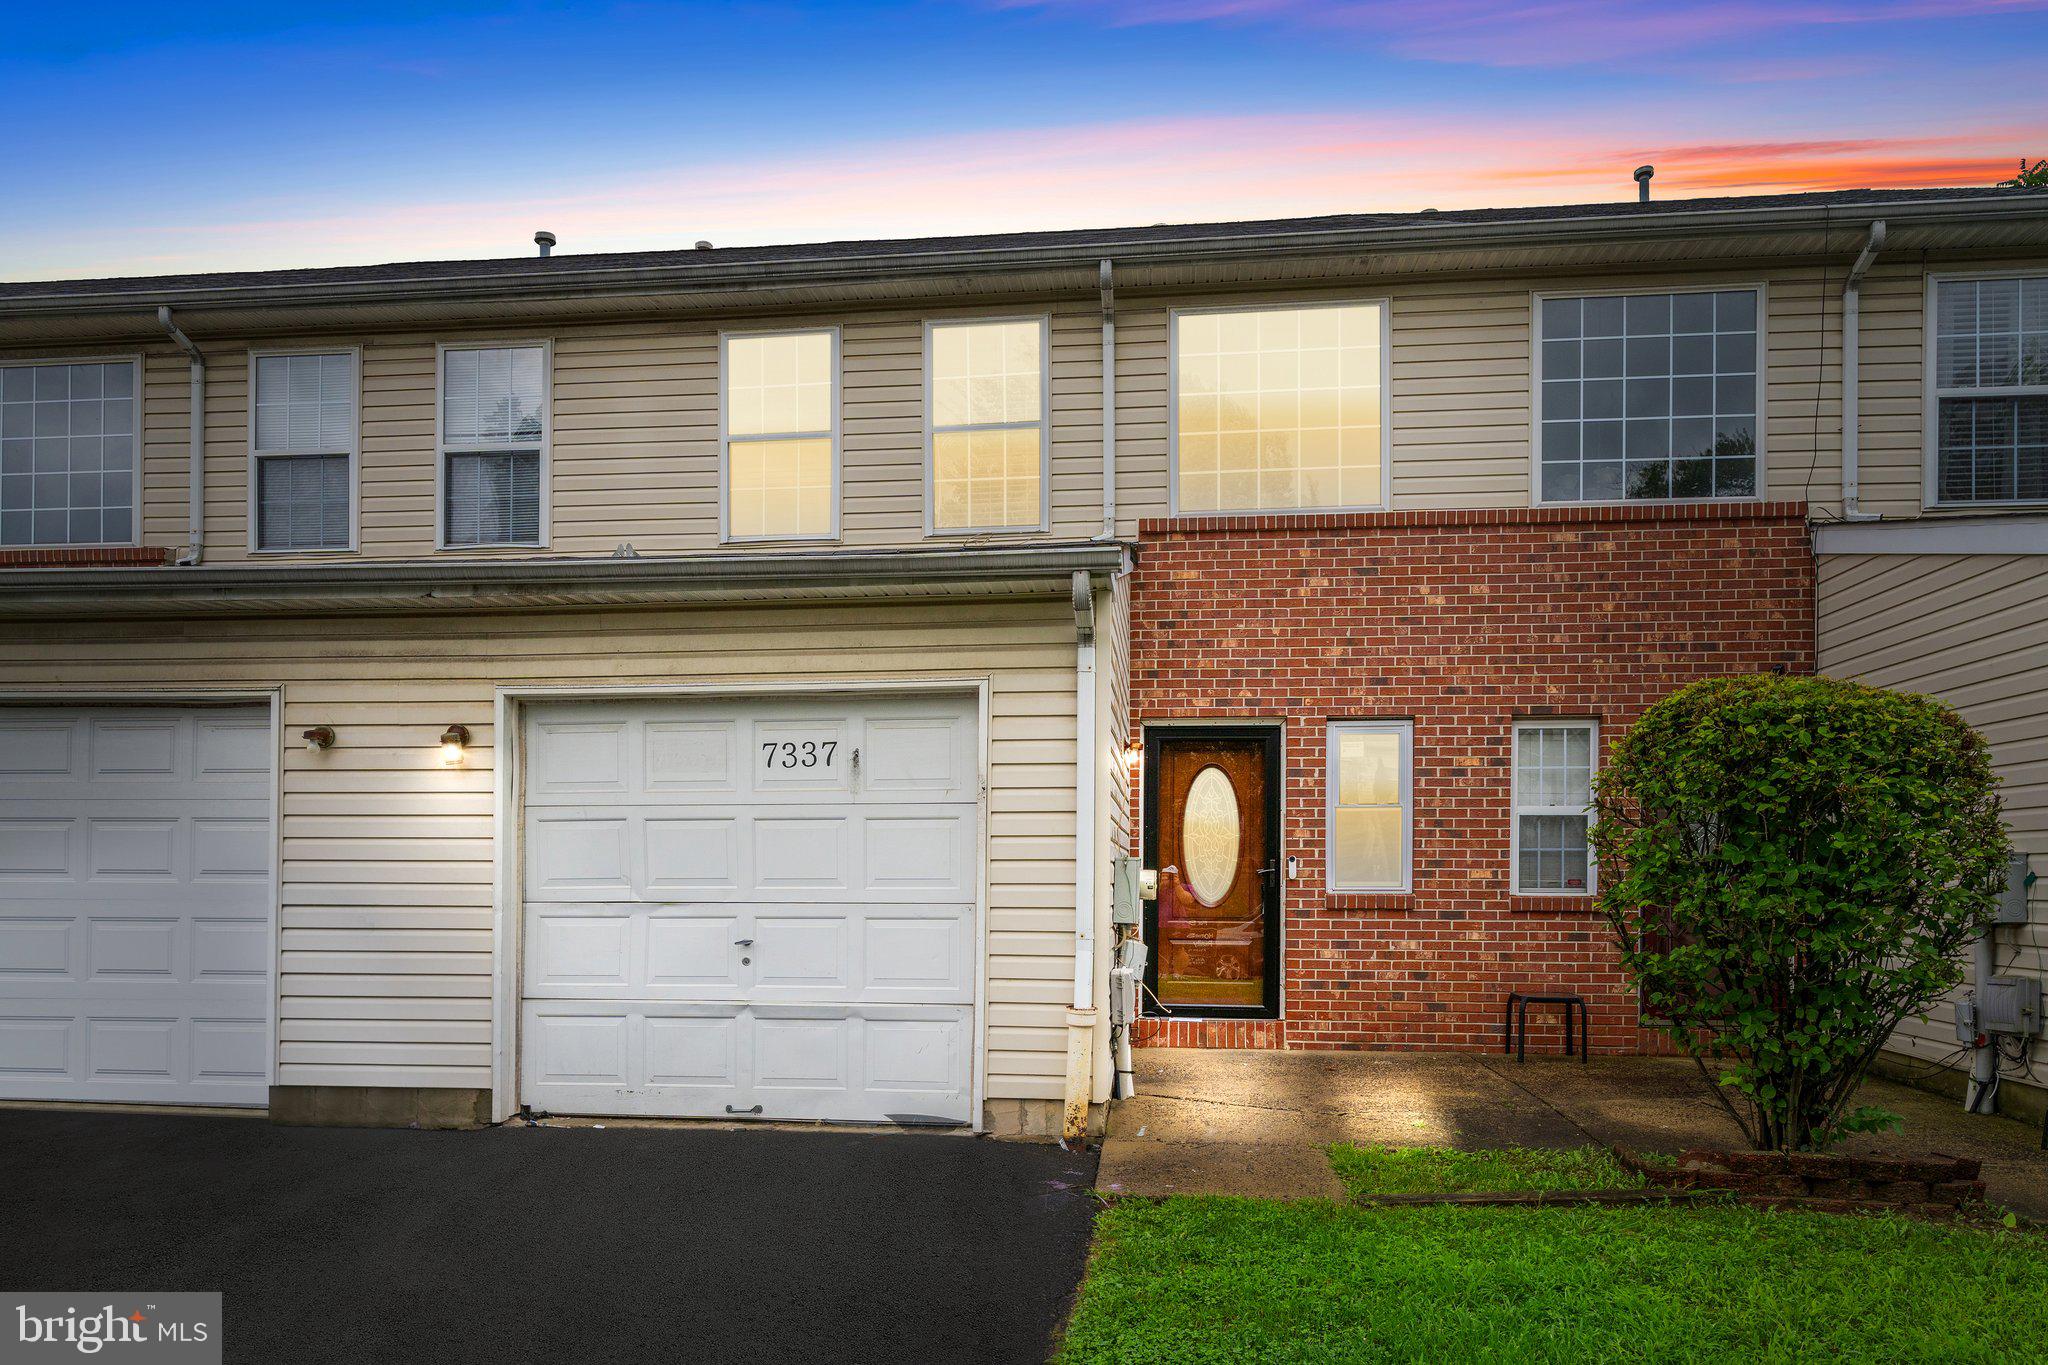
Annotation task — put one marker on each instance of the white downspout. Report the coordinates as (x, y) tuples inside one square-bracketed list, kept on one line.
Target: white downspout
[(1108, 281), (195, 551), (1081, 1018), (1852, 316)]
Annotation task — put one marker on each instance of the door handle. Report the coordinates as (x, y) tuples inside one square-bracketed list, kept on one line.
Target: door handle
[(1270, 870), (743, 943), (755, 1110)]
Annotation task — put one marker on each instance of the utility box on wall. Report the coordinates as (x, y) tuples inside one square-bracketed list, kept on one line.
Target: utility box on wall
[(1124, 906), (2012, 900), (2010, 1004)]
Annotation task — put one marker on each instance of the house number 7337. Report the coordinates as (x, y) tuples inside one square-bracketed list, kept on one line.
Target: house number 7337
[(809, 753)]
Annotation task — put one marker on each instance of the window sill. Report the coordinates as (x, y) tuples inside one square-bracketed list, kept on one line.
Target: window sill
[(1527, 904), (1348, 902)]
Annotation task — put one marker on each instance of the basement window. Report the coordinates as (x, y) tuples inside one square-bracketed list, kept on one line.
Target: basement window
[(303, 447), (1550, 852), (1988, 374), (494, 445), (68, 453), (1642, 397)]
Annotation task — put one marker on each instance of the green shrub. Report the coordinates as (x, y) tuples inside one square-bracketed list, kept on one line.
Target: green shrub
[(1791, 867)]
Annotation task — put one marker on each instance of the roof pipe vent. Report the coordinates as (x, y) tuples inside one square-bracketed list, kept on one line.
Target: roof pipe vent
[(1643, 174), (545, 240), (703, 246)]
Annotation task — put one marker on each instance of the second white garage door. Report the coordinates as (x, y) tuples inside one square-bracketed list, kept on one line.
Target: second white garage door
[(759, 908)]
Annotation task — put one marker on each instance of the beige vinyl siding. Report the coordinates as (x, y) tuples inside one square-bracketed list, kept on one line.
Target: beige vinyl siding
[(1893, 378), (635, 452), (385, 977), (1971, 630), (1460, 383)]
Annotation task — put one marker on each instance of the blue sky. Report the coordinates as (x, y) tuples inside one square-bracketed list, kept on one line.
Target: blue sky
[(157, 138)]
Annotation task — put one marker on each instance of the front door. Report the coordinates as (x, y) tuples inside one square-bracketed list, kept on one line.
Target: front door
[(1212, 817)]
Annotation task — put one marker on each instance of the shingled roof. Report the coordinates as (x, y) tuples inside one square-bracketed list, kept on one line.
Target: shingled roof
[(541, 269)]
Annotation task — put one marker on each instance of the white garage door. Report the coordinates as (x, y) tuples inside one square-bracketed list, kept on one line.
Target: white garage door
[(135, 904), (761, 908)]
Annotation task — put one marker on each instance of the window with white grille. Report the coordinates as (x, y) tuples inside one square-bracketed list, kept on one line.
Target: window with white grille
[(68, 453), (303, 442), (1551, 853), (1989, 371), (494, 445)]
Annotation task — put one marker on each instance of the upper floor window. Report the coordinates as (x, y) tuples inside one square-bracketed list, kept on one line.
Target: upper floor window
[(988, 421), (303, 443), (494, 445), (1647, 396), (782, 435), (1370, 831), (1551, 850), (1280, 409), (1989, 418), (68, 454)]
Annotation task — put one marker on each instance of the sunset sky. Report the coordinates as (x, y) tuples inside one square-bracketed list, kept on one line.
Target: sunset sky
[(156, 138)]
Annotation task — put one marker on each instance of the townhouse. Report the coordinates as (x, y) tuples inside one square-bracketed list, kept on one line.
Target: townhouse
[(728, 682)]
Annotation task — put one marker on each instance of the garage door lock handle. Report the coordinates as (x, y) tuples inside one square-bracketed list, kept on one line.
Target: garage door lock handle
[(755, 1110), (743, 943)]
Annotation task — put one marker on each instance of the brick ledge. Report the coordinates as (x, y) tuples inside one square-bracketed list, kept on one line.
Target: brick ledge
[(61, 556), (1474, 516)]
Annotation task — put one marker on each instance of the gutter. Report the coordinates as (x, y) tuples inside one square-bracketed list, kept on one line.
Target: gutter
[(1079, 253), (195, 550), (1852, 413), (415, 582)]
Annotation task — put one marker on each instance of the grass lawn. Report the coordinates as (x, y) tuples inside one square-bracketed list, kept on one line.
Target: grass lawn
[(1368, 1171), (1209, 1279)]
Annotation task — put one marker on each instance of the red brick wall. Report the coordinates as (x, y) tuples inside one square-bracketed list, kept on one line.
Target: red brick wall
[(1463, 622)]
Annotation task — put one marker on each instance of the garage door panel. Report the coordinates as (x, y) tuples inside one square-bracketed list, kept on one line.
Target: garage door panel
[(693, 854), (135, 904), (874, 1064), (698, 756), (802, 852), (770, 881)]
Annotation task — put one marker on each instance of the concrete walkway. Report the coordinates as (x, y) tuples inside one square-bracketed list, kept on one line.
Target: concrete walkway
[(1255, 1123)]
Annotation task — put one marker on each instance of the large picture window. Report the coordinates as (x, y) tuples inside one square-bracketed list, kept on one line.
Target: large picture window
[(1554, 762), (1371, 805), (1647, 396), (987, 426), (303, 443), (781, 436), (68, 454), (494, 441), (1279, 409), (1990, 390)]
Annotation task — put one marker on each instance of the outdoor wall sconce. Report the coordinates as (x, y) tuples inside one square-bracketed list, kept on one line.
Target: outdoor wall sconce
[(1134, 754), (452, 741), (318, 738)]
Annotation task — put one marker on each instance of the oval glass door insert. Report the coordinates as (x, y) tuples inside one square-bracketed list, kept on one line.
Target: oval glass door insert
[(1210, 829)]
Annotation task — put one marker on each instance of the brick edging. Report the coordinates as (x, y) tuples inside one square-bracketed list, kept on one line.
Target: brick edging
[(1474, 516)]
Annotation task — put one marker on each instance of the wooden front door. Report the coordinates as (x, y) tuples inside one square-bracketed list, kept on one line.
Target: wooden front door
[(1211, 832)]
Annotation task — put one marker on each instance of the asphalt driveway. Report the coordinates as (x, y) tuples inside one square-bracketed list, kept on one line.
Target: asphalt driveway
[(563, 1244)]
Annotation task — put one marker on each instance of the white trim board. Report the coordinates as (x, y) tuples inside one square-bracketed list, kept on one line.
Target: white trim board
[(2025, 535)]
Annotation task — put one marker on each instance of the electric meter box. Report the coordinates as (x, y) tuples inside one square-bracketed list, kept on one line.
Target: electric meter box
[(1124, 904), (2010, 1004), (2012, 899)]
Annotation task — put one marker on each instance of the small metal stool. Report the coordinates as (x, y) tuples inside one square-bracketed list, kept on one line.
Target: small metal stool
[(1516, 1023)]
